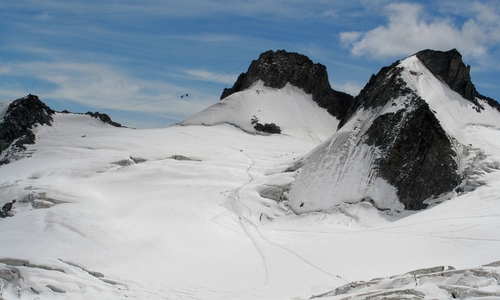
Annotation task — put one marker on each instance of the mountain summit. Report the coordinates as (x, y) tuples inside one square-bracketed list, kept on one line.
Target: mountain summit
[(404, 140), (16, 123), (277, 68)]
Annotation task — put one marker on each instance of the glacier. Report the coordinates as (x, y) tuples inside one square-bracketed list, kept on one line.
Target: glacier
[(112, 213)]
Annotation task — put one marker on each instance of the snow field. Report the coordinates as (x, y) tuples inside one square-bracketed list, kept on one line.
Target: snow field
[(163, 228)]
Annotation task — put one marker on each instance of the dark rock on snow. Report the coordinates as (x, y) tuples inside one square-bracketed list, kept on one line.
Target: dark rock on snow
[(276, 69), (449, 67), (267, 128), (103, 117), (20, 118), (416, 155)]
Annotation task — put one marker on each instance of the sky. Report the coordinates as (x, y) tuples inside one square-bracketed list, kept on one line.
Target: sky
[(152, 63)]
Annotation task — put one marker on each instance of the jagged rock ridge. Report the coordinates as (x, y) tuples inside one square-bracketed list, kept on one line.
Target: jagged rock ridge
[(20, 117), (277, 68), (449, 67)]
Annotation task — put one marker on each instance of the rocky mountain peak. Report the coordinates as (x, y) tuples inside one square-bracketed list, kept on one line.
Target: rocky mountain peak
[(391, 135), (20, 117), (277, 68), (449, 67)]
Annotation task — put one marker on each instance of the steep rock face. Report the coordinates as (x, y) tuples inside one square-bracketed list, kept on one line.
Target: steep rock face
[(450, 68), (381, 88), (399, 141), (21, 116), (276, 69), (416, 155)]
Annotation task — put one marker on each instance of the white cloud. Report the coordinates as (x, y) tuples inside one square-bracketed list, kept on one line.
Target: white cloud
[(409, 30), (108, 88), (4, 70), (205, 75)]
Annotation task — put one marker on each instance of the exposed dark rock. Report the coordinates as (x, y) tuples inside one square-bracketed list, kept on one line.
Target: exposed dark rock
[(276, 69), (381, 88), (267, 128), (103, 117), (417, 157), (449, 67), (20, 118), (129, 161), (182, 157)]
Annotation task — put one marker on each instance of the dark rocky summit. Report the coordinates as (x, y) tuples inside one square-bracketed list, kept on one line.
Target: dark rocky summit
[(411, 150), (20, 118), (449, 67), (415, 153), (276, 69)]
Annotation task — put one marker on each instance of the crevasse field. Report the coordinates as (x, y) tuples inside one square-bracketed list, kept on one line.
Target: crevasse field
[(178, 212)]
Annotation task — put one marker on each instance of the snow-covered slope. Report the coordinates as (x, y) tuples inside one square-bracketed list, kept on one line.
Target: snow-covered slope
[(290, 108), (201, 212), (109, 213), (425, 128)]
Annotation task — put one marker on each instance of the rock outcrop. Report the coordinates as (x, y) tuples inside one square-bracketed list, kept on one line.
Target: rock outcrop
[(450, 68), (277, 68), (104, 117), (416, 155), (19, 119)]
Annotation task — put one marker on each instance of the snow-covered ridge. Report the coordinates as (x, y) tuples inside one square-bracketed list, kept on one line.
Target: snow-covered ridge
[(290, 108), (454, 112)]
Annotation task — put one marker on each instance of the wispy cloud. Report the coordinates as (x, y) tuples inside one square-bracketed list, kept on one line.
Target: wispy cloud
[(208, 76), (105, 87), (409, 29)]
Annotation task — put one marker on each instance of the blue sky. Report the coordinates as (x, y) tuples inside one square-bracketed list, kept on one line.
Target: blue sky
[(133, 59)]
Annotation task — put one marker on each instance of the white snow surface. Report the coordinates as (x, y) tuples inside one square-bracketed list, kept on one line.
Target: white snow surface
[(108, 213), (290, 108)]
